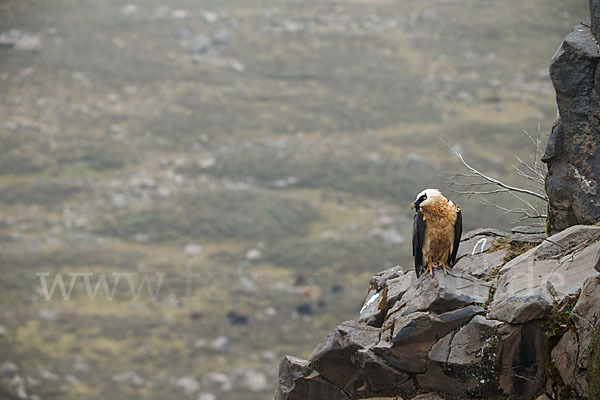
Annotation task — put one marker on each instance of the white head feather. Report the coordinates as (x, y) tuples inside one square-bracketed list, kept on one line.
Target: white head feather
[(432, 196)]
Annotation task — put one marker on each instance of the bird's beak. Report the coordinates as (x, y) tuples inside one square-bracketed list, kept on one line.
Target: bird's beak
[(412, 205)]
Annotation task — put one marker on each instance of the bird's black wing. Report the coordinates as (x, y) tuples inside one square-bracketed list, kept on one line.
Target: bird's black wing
[(457, 235), (417, 241)]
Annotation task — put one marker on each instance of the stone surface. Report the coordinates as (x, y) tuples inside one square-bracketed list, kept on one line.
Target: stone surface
[(564, 356), (472, 341), (480, 265), (572, 156), (334, 358), (297, 381), (523, 360), (486, 232), (440, 293), (441, 350), (377, 376), (383, 294), (451, 334), (428, 396), (533, 281), (475, 245), (595, 14), (529, 229), (530, 238), (406, 340), (586, 318)]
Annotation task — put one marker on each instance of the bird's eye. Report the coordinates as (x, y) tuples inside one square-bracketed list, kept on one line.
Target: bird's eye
[(424, 197)]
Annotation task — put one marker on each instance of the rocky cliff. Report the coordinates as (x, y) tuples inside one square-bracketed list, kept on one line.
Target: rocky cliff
[(572, 154), (515, 319)]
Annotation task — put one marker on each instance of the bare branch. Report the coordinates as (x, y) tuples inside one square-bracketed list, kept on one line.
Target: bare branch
[(476, 183), (499, 183)]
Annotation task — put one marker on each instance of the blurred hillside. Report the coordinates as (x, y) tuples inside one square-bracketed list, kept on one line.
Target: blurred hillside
[(260, 155)]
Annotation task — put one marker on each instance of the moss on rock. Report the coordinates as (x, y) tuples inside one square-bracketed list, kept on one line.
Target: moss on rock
[(593, 372)]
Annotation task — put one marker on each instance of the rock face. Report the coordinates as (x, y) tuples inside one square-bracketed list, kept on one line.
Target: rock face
[(572, 154), (474, 333)]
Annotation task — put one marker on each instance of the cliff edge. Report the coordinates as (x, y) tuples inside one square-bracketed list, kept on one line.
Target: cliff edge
[(516, 318)]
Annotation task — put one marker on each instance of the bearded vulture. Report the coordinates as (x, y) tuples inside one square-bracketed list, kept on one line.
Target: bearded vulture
[(437, 228)]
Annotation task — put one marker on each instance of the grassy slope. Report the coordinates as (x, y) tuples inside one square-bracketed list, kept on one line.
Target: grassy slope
[(120, 146)]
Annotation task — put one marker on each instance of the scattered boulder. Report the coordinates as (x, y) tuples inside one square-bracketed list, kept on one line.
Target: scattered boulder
[(129, 376), (200, 44), (8, 369), (222, 37), (188, 384)]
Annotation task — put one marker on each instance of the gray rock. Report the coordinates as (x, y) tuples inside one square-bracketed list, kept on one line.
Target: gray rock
[(8, 369), (571, 154), (531, 238), (200, 44), (222, 37), (440, 293), (298, 381), (71, 379), (480, 265), (441, 350), (595, 14), (522, 360), (475, 245), (529, 229), (378, 280), (586, 318), (406, 340), (428, 396), (47, 314), (532, 282), (468, 362), (471, 342), (334, 357), (564, 357), (517, 304), (383, 295), (128, 376), (489, 232), (562, 243), (188, 384), (377, 376)]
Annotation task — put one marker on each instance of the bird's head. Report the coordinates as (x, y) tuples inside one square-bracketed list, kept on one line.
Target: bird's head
[(426, 198)]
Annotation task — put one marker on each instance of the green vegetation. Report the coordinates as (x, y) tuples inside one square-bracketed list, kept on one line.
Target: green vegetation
[(593, 373), (216, 215), (268, 166), (40, 192)]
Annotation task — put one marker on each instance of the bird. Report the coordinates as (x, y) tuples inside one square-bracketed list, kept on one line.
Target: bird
[(437, 228)]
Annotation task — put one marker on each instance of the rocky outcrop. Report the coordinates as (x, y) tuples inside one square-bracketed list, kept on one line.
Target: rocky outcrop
[(515, 330), (572, 153)]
